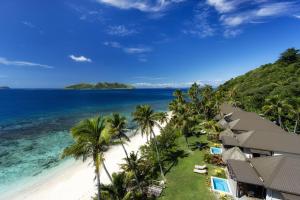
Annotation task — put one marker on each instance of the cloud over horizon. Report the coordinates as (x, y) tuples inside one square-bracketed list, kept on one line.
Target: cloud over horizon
[(5, 61)]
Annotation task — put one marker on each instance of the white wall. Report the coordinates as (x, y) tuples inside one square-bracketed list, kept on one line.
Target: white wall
[(273, 195)]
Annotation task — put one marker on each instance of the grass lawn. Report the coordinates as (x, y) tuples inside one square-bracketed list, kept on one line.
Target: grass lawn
[(182, 182)]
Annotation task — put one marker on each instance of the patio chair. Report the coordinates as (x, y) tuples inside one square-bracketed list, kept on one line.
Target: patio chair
[(200, 167), (200, 171)]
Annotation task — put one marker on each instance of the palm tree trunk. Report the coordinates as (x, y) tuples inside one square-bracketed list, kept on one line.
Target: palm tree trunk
[(106, 171), (111, 180), (98, 182), (129, 162), (158, 157), (296, 126), (279, 121)]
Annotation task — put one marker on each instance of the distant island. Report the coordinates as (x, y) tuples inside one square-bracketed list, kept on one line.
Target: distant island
[(4, 87), (99, 86)]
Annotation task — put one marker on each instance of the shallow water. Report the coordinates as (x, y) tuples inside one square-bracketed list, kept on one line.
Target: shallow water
[(34, 124)]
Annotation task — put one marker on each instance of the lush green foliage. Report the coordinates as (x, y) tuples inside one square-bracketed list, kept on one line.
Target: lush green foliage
[(274, 86), (99, 85)]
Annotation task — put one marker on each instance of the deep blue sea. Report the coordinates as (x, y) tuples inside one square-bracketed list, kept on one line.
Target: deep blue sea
[(34, 124)]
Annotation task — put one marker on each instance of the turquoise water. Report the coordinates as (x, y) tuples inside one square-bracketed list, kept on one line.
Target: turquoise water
[(220, 185), (215, 150), (34, 125)]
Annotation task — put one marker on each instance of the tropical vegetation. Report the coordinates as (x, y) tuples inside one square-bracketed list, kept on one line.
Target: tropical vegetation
[(186, 135)]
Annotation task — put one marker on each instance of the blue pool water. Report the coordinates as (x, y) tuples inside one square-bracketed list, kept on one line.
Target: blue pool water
[(220, 184), (34, 124), (216, 150)]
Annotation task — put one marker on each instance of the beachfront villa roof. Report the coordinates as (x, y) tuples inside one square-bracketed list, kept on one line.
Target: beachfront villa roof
[(226, 108), (270, 141), (223, 124), (226, 132), (242, 171), (284, 175), (280, 173), (233, 153), (245, 121), (229, 141), (264, 142), (287, 196)]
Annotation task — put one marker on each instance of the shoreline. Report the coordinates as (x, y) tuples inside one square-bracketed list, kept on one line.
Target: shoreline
[(76, 182)]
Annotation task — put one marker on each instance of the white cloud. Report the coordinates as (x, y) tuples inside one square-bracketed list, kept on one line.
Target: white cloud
[(140, 51), (234, 20), (235, 13), (120, 30), (297, 16), (127, 49), (223, 6), (136, 50), (274, 9), (28, 24), (164, 85), (230, 33), (200, 26), (80, 58), (142, 5), (5, 61), (113, 44)]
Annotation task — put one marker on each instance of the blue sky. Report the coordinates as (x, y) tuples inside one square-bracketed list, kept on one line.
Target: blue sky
[(148, 43)]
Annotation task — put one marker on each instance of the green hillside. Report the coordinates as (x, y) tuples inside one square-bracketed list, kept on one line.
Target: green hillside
[(268, 85), (99, 86)]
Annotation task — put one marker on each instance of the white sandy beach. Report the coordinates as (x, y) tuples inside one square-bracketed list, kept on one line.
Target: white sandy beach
[(77, 181)]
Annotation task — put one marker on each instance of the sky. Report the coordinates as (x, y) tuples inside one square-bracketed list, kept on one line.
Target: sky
[(147, 43)]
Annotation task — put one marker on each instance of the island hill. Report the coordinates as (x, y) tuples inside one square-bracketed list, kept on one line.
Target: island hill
[(4, 87), (99, 86)]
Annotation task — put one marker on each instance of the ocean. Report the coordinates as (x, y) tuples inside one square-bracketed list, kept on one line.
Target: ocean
[(35, 124)]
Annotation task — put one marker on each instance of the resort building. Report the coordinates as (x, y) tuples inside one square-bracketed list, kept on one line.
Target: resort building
[(263, 160)]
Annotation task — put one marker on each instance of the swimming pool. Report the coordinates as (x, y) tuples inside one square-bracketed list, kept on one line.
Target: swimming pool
[(220, 185), (215, 150)]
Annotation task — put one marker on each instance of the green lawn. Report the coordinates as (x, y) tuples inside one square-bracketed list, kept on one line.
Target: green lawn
[(182, 182)]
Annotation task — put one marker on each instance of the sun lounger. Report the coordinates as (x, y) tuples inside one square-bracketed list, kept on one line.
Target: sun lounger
[(199, 171), (200, 166)]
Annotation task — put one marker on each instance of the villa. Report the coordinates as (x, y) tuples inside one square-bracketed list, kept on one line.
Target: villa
[(263, 160)]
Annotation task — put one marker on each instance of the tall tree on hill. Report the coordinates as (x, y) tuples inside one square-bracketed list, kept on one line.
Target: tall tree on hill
[(289, 56), (277, 107)]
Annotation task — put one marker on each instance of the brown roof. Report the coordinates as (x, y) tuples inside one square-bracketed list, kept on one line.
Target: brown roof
[(245, 121), (227, 108), (229, 141), (287, 196), (270, 141), (233, 153), (242, 171), (226, 132), (281, 173)]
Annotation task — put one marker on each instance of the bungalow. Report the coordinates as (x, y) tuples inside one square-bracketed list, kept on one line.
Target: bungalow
[(275, 177), (264, 143)]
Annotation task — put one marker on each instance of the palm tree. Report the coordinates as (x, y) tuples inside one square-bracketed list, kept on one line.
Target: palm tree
[(162, 117), (117, 127), (91, 140), (277, 107), (146, 119)]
